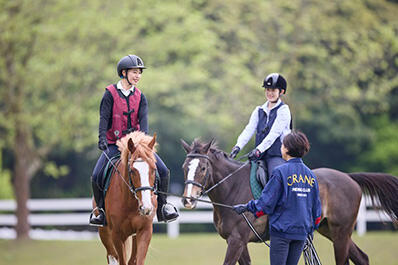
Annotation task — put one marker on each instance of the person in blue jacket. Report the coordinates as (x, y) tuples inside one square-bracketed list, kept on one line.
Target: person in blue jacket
[(271, 122), (291, 201)]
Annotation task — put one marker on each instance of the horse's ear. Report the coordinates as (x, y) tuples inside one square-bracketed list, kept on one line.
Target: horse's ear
[(186, 146), (207, 147), (153, 141), (131, 146)]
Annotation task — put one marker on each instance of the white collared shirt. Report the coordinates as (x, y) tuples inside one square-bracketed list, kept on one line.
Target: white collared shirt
[(124, 91), (280, 127)]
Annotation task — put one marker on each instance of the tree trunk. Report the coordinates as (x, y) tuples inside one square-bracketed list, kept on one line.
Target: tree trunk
[(21, 183)]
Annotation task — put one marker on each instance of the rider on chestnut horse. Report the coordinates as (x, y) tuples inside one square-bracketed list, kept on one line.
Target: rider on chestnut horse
[(124, 109)]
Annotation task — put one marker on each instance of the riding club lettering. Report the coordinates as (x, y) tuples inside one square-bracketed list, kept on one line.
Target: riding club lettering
[(300, 179)]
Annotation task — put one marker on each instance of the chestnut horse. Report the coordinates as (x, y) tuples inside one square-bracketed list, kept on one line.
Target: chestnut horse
[(130, 202), (205, 166)]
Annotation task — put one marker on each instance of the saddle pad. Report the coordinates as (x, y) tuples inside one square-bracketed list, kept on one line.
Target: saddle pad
[(106, 178), (257, 189), (254, 185)]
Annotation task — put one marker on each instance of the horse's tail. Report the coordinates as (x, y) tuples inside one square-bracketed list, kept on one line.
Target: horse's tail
[(382, 188)]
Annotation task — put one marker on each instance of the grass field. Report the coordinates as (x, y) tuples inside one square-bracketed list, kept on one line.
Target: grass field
[(188, 249)]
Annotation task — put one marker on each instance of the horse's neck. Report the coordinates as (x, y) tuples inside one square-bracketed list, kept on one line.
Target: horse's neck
[(235, 183)]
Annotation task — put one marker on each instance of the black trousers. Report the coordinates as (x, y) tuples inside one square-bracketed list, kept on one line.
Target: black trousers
[(285, 251)]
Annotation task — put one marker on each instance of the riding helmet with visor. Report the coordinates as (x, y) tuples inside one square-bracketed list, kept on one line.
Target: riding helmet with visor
[(275, 80), (129, 62)]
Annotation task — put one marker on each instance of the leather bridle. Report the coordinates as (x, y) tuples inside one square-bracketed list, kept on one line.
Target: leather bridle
[(130, 173), (203, 191), (207, 176)]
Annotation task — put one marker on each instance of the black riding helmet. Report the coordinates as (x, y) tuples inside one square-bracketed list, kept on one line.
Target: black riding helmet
[(275, 80), (128, 62)]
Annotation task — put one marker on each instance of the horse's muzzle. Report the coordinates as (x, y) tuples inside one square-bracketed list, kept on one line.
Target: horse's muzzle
[(189, 203), (145, 210)]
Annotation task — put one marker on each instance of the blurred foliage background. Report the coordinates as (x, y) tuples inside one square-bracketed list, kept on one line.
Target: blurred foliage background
[(206, 61)]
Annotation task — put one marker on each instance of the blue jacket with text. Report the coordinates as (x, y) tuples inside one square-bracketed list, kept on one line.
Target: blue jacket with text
[(291, 200)]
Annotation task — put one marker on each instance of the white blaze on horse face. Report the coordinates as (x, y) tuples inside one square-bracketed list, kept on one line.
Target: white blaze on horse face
[(143, 169), (193, 165)]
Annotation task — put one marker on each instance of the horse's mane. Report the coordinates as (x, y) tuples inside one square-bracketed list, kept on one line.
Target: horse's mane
[(141, 141), (198, 145)]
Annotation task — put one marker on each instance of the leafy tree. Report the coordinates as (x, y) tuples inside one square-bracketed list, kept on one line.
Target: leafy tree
[(45, 89), (206, 62), (5, 181), (339, 58)]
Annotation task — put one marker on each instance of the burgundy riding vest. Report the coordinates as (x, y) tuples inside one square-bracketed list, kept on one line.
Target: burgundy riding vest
[(121, 111)]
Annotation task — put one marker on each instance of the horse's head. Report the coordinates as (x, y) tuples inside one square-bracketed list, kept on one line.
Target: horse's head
[(139, 157), (197, 171)]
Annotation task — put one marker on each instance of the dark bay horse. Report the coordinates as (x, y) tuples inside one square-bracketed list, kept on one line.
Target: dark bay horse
[(130, 202), (340, 193)]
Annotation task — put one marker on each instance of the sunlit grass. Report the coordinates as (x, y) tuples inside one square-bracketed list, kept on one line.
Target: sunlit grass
[(192, 249)]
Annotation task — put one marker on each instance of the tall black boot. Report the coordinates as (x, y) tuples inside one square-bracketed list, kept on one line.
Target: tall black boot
[(99, 220), (165, 212)]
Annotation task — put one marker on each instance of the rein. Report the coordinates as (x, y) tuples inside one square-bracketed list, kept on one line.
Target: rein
[(195, 199), (131, 187), (224, 179), (216, 204), (207, 175), (213, 187)]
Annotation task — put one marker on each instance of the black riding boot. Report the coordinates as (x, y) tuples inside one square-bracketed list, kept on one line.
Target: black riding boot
[(99, 199), (165, 212)]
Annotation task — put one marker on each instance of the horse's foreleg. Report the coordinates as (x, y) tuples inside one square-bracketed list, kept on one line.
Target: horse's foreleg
[(357, 255), (143, 238), (235, 248), (128, 246), (119, 244), (106, 238), (244, 258), (133, 258)]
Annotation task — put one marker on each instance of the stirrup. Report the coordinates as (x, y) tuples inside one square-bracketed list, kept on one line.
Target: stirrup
[(168, 205), (91, 217)]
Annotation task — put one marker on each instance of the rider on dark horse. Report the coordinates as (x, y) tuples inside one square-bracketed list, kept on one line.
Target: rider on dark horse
[(271, 122), (124, 109)]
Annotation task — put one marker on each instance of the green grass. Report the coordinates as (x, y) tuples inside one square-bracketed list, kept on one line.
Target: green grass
[(192, 249)]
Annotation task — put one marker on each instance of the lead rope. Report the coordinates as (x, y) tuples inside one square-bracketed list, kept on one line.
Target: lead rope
[(254, 230), (194, 199), (217, 204)]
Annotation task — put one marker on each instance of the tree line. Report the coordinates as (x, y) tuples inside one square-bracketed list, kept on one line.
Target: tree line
[(206, 61)]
